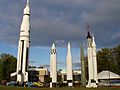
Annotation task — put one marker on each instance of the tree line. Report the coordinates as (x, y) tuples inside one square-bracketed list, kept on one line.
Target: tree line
[(109, 59)]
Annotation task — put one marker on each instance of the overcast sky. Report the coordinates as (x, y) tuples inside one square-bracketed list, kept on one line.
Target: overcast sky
[(60, 21)]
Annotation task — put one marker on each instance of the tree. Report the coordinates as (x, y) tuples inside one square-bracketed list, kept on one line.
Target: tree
[(103, 59), (116, 55), (7, 66), (109, 59)]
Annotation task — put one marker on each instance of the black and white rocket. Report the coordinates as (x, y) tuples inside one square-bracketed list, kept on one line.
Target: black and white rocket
[(69, 67), (92, 62), (23, 46), (53, 66)]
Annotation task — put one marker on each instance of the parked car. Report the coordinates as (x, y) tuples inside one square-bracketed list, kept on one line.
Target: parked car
[(12, 83), (37, 84)]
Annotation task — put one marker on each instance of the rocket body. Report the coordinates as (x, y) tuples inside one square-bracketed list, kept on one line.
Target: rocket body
[(83, 80), (94, 59), (23, 46), (53, 66), (69, 67), (92, 63)]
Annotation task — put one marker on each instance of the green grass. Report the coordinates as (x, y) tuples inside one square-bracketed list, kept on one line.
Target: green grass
[(22, 88)]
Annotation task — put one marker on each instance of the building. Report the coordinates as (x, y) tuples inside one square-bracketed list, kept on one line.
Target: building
[(108, 78), (43, 74), (76, 76), (38, 74)]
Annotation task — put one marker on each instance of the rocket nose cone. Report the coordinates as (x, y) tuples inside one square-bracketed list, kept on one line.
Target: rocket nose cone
[(53, 46), (93, 41), (68, 51), (27, 8), (68, 45), (28, 1)]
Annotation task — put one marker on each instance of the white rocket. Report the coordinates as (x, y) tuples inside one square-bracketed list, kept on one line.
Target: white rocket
[(69, 67), (94, 59), (23, 47), (92, 62), (53, 66)]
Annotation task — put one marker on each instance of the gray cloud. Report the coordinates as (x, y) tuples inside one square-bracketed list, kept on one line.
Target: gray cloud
[(105, 22), (62, 20)]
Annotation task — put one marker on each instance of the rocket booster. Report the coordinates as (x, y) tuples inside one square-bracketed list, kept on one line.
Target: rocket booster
[(94, 59), (23, 47), (83, 80), (69, 67), (90, 61), (53, 65)]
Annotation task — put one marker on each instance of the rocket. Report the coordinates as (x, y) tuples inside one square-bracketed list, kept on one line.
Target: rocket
[(53, 66), (92, 62), (83, 80), (94, 59), (23, 46), (69, 67)]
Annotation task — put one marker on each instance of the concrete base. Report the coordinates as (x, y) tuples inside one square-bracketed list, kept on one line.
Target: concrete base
[(50, 85), (70, 83)]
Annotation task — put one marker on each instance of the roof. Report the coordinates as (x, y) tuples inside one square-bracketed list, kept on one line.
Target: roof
[(108, 75)]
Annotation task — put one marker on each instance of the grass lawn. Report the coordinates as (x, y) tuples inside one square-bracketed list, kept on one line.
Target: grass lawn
[(21, 88)]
